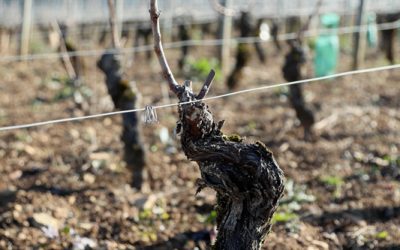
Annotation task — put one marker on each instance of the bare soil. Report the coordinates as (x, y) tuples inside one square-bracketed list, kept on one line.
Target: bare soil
[(343, 187)]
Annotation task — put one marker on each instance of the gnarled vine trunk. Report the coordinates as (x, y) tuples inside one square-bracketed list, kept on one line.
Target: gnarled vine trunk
[(246, 177)]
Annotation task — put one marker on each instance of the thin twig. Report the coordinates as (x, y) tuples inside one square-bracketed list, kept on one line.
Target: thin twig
[(113, 23), (310, 17), (225, 11), (155, 25), (206, 86), (64, 53), (222, 9)]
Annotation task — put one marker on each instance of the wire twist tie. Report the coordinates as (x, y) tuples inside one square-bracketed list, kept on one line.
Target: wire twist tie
[(150, 115)]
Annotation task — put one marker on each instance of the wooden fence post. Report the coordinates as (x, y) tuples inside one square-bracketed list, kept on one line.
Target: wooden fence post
[(26, 27), (225, 34), (119, 13)]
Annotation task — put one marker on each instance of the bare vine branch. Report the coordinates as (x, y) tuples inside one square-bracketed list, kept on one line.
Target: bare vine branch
[(206, 86), (155, 25), (222, 9), (64, 53), (307, 23), (229, 11)]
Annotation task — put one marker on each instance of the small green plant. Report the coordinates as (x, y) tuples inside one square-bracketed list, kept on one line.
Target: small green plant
[(281, 92), (145, 214), (334, 182), (153, 148), (209, 219), (284, 217), (200, 68), (311, 42), (383, 235), (252, 125), (295, 196), (156, 212), (392, 160), (23, 136), (66, 230), (165, 216), (37, 46), (68, 89), (212, 217), (148, 235), (3, 115)]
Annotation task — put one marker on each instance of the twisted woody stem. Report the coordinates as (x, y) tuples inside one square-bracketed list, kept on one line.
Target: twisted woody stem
[(246, 177)]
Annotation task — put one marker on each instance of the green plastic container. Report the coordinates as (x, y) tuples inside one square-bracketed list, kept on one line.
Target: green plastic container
[(327, 47), (372, 31)]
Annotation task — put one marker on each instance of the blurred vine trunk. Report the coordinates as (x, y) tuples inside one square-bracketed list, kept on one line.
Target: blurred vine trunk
[(274, 33), (143, 31), (184, 35), (124, 98), (243, 53), (291, 70), (73, 64), (389, 36)]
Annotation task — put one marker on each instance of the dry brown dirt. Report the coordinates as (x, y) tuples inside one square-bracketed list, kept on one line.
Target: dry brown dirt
[(343, 188)]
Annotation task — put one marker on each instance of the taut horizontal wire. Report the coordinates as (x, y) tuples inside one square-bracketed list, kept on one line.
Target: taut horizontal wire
[(213, 42), (354, 72)]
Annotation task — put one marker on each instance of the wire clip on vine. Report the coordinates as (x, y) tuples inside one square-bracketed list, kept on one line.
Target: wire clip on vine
[(150, 115)]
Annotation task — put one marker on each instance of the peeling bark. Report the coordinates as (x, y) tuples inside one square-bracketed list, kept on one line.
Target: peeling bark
[(246, 177)]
